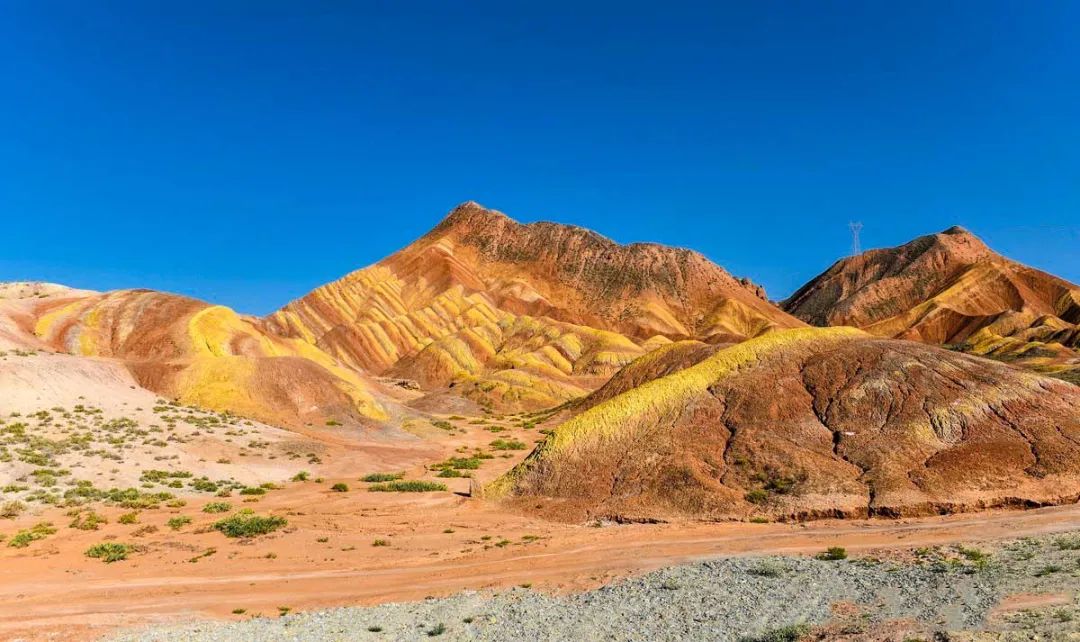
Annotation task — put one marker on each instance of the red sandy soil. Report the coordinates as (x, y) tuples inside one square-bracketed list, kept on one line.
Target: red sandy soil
[(52, 591)]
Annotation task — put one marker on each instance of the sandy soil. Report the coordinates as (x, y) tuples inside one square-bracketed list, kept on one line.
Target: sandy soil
[(52, 591)]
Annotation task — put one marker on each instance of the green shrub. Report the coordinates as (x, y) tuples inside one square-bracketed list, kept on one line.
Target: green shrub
[(247, 524), (790, 633), (217, 507), (767, 568), (109, 552), (340, 488), (382, 477), (508, 444), (407, 486), (438, 629), (88, 521), (23, 538), (833, 554), (178, 522), (757, 496), (1049, 569), (381, 542), (301, 476), (128, 518), (460, 463)]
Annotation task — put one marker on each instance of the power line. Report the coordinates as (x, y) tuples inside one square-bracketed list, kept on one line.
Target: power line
[(855, 227)]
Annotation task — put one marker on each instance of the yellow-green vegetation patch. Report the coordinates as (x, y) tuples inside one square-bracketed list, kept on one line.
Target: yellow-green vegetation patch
[(381, 477), (110, 552), (217, 507), (407, 486), (88, 521), (25, 537), (178, 522), (247, 524)]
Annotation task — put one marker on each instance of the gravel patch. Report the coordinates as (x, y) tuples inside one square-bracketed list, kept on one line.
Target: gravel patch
[(933, 590)]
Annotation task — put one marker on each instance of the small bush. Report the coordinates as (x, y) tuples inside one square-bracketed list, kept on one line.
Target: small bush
[(460, 463), (438, 629), (790, 633), (381, 542), (176, 523), (217, 507), (11, 510), (88, 521), (247, 524), (757, 496), (508, 444), (301, 476), (109, 552), (340, 488), (382, 477), (23, 538), (833, 554), (128, 518), (409, 486), (1049, 569), (767, 568)]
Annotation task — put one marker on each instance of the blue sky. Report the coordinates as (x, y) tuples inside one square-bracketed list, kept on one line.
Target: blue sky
[(245, 152)]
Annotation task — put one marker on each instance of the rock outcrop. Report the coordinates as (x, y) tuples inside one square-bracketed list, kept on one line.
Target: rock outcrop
[(811, 423)]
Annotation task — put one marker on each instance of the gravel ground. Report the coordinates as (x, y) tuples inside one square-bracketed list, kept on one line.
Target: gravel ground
[(917, 595)]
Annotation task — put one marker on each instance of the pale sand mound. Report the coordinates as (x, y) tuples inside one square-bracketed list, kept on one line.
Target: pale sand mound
[(64, 419)]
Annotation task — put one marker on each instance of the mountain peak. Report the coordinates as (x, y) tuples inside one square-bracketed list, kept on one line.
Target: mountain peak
[(471, 215)]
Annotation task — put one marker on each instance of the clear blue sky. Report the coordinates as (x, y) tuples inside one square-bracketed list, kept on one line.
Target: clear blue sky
[(245, 152)]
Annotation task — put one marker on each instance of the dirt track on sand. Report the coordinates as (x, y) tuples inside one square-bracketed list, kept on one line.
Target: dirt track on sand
[(54, 592)]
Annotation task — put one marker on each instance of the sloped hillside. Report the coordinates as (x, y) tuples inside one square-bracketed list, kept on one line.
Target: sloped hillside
[(810, 423), (485, 301), (197, 353), (950, 288)]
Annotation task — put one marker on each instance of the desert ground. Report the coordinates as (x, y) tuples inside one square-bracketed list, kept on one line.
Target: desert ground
[(352, 546)]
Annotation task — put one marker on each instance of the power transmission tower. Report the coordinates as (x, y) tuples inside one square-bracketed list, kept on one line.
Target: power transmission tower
[(855, 228)]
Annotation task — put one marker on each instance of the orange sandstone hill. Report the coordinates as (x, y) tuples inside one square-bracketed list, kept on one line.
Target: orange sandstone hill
[(523, 315), (807, 423), (189, 350), (950, 288)]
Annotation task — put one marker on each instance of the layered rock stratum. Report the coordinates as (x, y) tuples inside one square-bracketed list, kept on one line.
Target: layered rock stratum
[(950, 288), (192, 351), (528, 314), (809, 423)]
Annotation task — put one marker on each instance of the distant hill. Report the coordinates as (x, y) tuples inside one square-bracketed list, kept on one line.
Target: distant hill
[(950, 288)]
